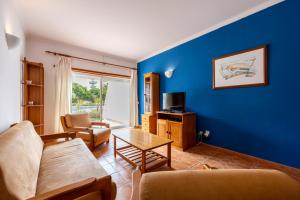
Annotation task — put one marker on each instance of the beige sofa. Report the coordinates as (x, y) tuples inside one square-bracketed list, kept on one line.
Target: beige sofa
[(252, 184), (31, 169)]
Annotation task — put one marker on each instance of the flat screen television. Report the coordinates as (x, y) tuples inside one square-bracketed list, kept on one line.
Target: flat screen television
[(174, 102)]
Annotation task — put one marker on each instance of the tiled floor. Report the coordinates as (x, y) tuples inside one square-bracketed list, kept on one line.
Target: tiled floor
[(193, 158)]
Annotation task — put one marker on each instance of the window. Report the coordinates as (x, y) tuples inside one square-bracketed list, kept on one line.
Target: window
[(104, 98)]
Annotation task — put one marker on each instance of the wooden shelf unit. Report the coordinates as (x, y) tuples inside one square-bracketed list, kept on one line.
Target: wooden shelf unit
[(33, 105), (151, 102), (179, 127), (33, 85), (33, 91)]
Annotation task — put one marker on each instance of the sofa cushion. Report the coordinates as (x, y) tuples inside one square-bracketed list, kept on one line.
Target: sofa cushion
[(71, 160), (78, 120), (20, 154)]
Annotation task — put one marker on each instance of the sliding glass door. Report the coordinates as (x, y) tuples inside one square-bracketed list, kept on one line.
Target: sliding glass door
[(104, 98), (116, 108)]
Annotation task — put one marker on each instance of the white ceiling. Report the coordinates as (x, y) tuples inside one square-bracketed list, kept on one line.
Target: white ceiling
[(133, 29)]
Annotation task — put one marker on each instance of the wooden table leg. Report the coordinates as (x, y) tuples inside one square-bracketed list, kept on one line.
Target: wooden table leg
[(143, 167), (115, 147), (169, 155)]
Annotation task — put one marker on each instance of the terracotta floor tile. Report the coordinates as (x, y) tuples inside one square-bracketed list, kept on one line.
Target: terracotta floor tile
[(102, 161), (126, 174), (179, 165), (118, 166), (124, 192), (123, 163), (193, 158), (119, 179), (110, 169), (198, 166), (109, 158)]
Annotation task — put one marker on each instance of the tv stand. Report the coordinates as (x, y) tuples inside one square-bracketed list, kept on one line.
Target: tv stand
[(179, 127)]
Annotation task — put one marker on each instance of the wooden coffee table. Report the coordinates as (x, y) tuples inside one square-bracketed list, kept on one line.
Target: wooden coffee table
[(138, 151)]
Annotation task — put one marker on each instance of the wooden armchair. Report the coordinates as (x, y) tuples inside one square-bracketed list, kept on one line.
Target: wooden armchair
[(93, 133)]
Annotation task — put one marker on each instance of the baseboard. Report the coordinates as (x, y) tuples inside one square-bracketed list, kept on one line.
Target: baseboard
[(279, 165)]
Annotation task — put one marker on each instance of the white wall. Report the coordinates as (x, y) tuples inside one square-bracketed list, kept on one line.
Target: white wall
[(10, 65), (35, 48)]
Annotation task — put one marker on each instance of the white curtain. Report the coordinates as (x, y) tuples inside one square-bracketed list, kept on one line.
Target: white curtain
[(63, 86), (133, 99)]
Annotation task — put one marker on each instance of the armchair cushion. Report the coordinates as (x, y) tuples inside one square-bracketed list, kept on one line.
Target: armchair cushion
[(97, 132), (86, 136), (20, 154), (101, 133), (78, 120), (70, 160)]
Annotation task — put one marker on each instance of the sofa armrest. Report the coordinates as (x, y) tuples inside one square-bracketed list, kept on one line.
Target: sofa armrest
[(62, 193), (223, 184), (100, 124), (58, 135)]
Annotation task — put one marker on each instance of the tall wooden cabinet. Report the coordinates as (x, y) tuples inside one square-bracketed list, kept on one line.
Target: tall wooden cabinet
[(151, 102), (179, 127), (33, 94)]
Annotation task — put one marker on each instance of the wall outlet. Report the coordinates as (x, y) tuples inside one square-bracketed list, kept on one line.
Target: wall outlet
[(206, 134), (199, 136)]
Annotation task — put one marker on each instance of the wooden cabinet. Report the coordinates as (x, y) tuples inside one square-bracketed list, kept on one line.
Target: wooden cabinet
[(33, 94), (151, 102), (175, 129), (179, 127), (149, 123), (163, 128)]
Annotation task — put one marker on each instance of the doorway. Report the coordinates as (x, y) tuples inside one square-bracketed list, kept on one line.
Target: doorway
[(104, 98)]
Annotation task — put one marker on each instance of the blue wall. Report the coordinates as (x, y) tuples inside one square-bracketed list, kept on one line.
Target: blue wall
[(260, 121)]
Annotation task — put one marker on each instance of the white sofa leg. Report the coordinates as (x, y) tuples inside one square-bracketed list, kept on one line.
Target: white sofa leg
[(136, 178)]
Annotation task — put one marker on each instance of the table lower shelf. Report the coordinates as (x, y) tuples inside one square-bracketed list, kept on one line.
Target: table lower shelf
[(134, 156)]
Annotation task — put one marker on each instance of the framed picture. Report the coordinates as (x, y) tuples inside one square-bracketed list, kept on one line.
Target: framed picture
[(242, 69)]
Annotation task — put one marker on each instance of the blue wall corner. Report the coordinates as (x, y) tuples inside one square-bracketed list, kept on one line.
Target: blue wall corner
[(260, 121)]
